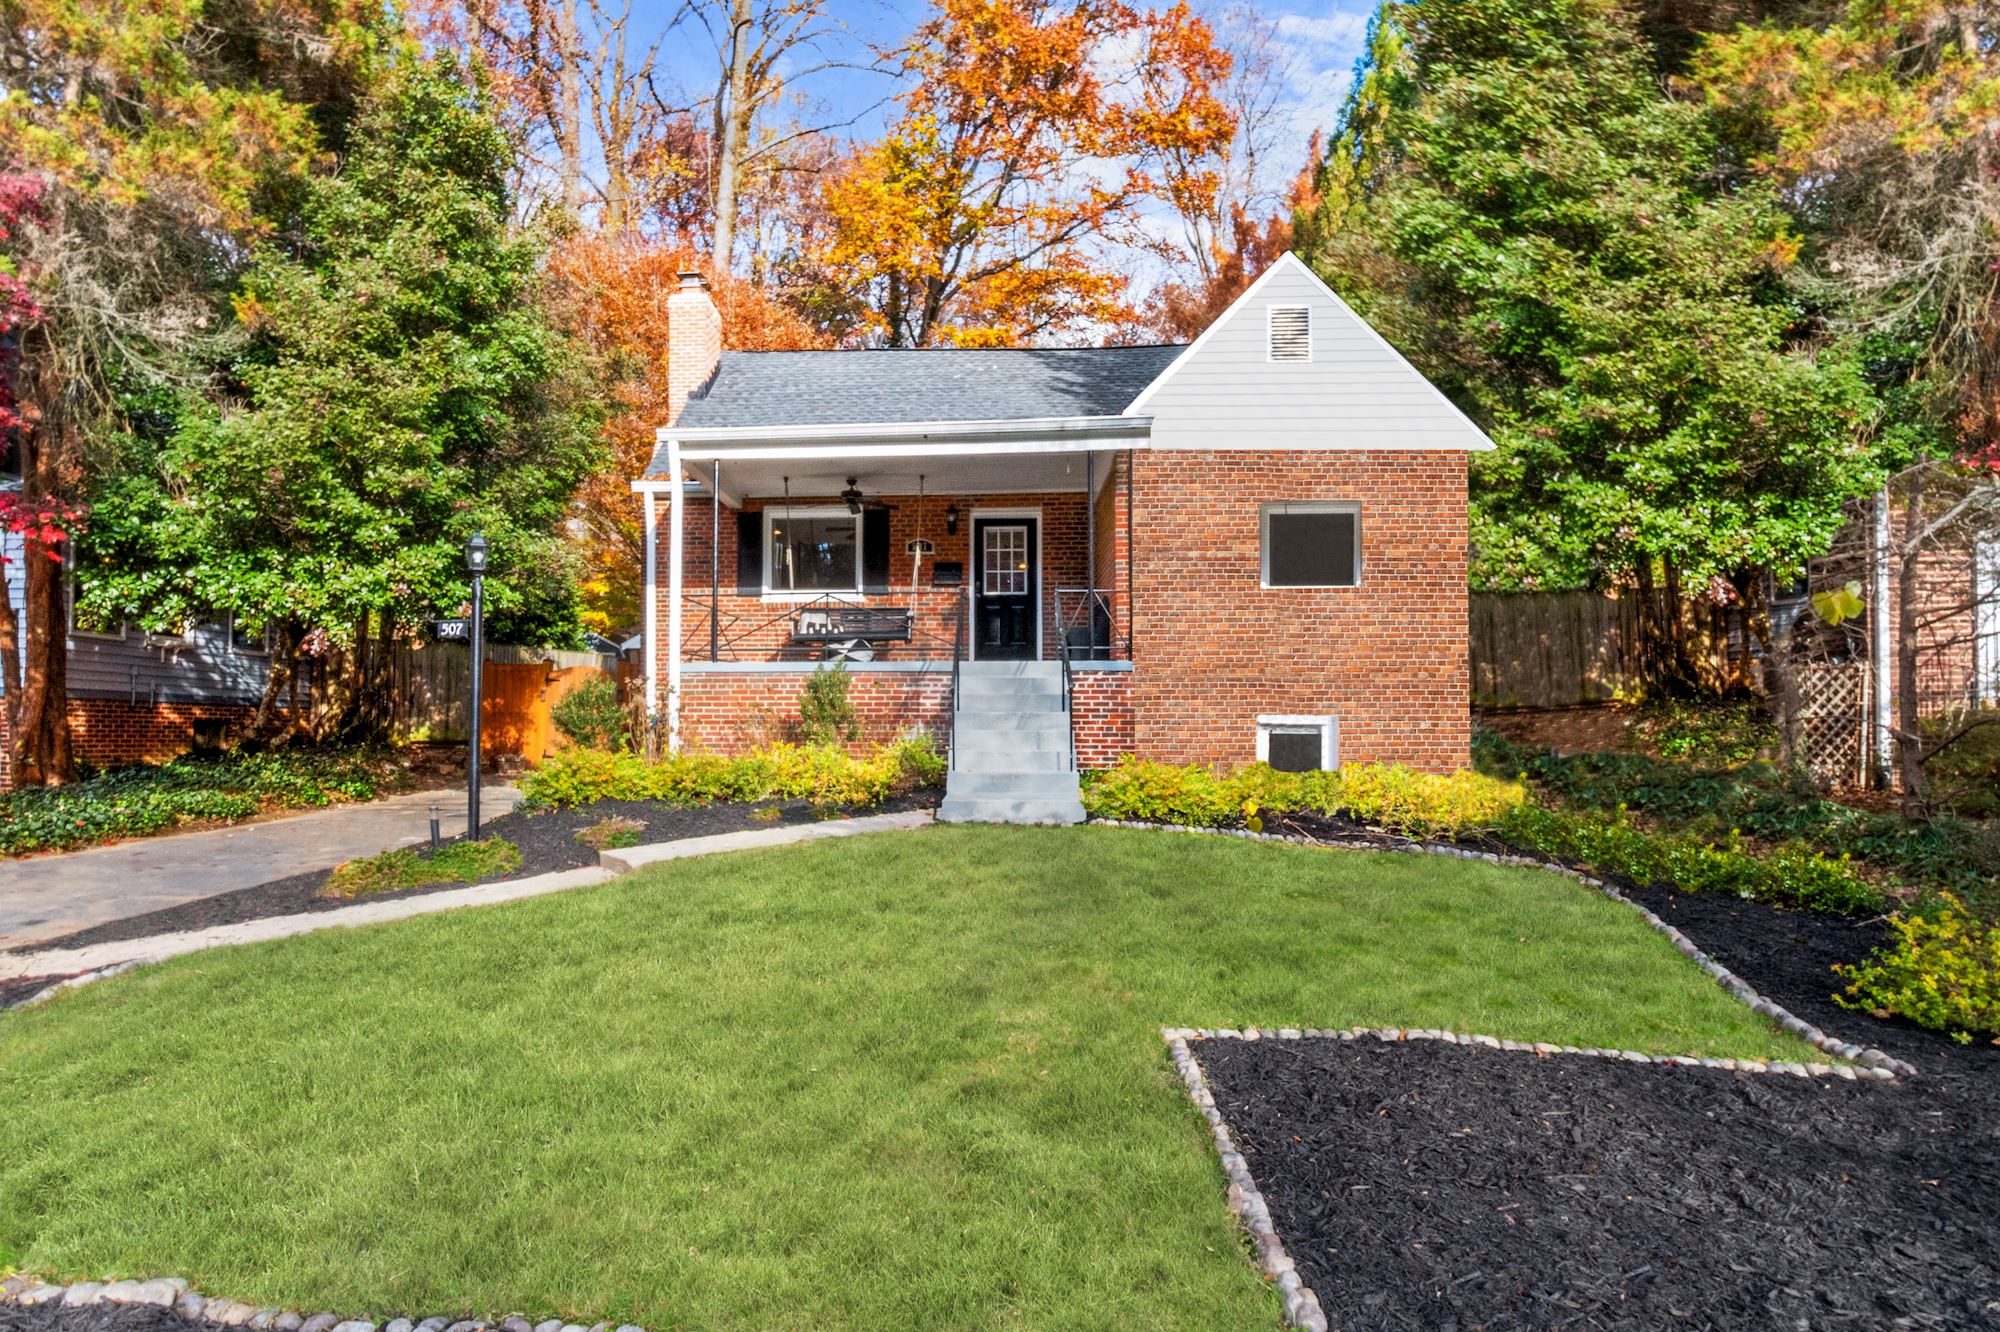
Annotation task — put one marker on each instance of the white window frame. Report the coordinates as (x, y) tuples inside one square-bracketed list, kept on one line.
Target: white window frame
[(1328, 728), (773, 513), (1986, 620), (1271, 333), (69, 619), (229, 640), (1304, 506)]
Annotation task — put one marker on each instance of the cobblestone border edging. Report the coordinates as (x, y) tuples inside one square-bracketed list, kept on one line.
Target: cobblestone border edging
[(1867, 1056), (173, 1293), (1302, 1307)]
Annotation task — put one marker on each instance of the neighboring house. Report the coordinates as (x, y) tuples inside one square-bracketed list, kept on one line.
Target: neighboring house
[(1250, 547), (138, 696)]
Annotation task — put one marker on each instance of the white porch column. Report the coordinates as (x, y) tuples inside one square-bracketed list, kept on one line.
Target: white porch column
[(676, 526), (650, 619), (1882, 663)]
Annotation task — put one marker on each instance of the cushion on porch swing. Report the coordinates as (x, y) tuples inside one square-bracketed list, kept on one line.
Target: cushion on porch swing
[(833, 624)]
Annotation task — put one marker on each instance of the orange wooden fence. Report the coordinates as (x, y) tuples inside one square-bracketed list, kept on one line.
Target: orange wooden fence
[(516, 702)]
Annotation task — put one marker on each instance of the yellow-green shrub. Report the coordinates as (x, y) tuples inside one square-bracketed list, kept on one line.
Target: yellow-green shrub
[(1941, 970), (1385, 795), (823, 775)]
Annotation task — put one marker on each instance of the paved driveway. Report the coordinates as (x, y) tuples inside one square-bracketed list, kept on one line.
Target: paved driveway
[(49, 896)]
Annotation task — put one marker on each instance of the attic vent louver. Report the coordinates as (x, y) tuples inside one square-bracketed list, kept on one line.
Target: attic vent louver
[(1291, 333)]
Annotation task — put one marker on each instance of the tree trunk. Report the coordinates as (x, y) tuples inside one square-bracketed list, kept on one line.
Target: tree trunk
[(733, 113), (569, 107), (284, 671), (41, 735), (1909, 741)]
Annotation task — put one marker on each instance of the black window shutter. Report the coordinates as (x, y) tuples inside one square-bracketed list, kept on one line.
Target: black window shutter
[(874, 551), (749, 552)]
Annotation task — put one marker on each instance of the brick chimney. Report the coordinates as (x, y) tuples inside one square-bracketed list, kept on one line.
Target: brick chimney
[(694, 341)]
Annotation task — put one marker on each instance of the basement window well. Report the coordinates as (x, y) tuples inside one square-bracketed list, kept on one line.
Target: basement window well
[(1298, 744)]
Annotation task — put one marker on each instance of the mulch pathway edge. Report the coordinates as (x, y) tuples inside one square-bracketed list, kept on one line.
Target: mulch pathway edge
[(1867, 1056), (1302, 1306)]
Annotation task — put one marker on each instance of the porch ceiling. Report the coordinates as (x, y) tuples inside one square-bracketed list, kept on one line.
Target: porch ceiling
[(943, 474)]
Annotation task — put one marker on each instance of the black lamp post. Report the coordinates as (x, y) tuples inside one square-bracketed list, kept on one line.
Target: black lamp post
[(475, 564)]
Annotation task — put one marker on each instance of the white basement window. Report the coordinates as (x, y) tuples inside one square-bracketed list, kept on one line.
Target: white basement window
[(812, 550), (1311, 544), (1298, 744)]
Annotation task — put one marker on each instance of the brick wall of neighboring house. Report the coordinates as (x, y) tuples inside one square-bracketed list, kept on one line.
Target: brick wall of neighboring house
[(732, 712), (752, 629), (1212, 649), (108, 732), (1101, 717), (1947, 628)]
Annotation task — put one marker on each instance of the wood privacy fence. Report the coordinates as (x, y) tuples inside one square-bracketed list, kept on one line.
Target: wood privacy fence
[(519, 689), (1561, 649)]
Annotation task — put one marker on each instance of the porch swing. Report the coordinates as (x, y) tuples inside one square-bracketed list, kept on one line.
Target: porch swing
[(847, 632)]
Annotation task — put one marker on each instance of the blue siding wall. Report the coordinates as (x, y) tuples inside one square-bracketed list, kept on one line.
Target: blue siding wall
[(143, 669)]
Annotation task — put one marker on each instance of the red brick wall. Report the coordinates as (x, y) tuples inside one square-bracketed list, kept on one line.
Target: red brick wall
[(729, 713), (1212, 649), (753, 629), (1101, 717), (108, 732)]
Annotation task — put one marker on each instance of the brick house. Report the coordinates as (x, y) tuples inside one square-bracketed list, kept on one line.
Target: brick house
[(1249, 547)]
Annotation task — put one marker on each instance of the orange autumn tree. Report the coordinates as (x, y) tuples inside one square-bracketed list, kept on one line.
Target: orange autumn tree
[(618, 289), (1033, 136)]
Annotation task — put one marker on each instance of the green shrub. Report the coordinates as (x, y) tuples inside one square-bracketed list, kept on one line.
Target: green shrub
[(826, 713), (454, 862), (1385, 795), (1792, 876), (591, 715), (1941, 970), (1708, 730), (822, 775), (1766, 802), (1965, 775), (611, 834), (135, 801)]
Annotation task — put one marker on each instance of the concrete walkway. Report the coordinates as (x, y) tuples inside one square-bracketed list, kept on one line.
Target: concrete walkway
[(121, 954), (46, 897)]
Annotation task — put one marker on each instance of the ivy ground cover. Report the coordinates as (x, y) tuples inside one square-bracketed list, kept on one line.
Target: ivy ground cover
[(911, 1080)]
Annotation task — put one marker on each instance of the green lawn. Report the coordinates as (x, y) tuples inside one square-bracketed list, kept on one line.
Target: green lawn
[(904, 1081)]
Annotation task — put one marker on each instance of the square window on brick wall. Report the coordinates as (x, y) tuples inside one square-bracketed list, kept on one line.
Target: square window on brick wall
[(1308, 544)]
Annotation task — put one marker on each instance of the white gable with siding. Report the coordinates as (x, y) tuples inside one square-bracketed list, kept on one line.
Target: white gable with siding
[(1244, 384)]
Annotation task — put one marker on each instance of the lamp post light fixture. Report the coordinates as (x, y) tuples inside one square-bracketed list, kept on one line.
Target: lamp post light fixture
[(475, 564)]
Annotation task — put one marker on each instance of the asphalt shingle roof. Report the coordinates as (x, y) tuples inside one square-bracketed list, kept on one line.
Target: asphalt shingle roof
[(974, 384)]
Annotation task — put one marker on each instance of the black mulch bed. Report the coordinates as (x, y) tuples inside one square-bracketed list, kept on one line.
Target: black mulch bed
[(96, 1318), (1788, 957), (547, 840), (1426, 1185)]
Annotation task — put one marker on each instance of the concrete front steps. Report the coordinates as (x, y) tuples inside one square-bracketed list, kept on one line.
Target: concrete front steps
[(1010, 759)]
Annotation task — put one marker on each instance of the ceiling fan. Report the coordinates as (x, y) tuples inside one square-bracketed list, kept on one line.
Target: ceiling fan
[(856, 501)]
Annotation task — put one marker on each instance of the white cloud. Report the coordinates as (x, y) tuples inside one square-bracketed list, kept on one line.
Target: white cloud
[(1341, 29)]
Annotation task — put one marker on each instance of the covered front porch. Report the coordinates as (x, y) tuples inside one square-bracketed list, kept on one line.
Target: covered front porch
[(1011, 548)]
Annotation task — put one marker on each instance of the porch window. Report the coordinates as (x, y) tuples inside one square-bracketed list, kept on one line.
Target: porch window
[(815, 550), (1312, 545), (1298, 744)]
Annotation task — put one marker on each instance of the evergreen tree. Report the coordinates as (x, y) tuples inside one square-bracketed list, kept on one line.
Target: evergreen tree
[(1515, 200), (402, 386)]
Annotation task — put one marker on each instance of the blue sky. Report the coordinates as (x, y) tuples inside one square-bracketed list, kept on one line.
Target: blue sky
[(1318, 44)]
